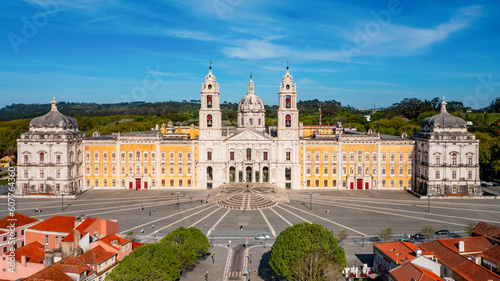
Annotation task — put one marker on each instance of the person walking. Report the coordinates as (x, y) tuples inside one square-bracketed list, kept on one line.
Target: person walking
[(149, 213), (142, 230), (241, 227), (153, 226), (205, 225)]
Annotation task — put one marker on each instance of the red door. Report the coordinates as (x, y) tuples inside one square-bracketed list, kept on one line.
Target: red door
[(138, 183), (131, 185), (145, 185), (359, 184), (352, 185), (366, 185)]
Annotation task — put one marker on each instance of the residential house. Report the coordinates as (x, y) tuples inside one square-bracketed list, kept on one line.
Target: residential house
[(26, 261), (68, 269), (16, 223), (490, 231), (116, 244), (100, 261)]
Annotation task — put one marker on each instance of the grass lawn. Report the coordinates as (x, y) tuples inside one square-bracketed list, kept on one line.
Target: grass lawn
[(493, 117)]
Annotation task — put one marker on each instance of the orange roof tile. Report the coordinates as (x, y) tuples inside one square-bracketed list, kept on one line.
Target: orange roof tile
[(458, 263), (95, 256), (81, 227), (18, 219), (399, 251), (56, 224), (136, 245), (120, 241), (54, 272), (471, 244), (73, 265), (486, 229), (33, 251), (409, 272), (492, 253)]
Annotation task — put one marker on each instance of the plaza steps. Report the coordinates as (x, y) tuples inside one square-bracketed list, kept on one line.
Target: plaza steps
[(249, 196)]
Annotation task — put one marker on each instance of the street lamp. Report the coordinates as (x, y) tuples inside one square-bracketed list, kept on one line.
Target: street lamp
[(62, 202), (250, 257), (213, 257), (428, 203), (178, 193), (311, 201)]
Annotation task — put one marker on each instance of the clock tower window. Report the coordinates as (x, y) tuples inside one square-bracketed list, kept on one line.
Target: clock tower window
[(209, 120), (288, 120)]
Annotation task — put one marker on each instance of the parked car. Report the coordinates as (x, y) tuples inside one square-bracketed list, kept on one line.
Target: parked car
[(443, 232), (419, 236), (404, 240), (483, 183), (262, 237)]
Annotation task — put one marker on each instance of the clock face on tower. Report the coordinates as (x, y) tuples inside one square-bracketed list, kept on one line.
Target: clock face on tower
[(288, 133)]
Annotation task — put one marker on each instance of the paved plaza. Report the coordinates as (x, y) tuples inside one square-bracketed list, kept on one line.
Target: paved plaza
[(361, 213)]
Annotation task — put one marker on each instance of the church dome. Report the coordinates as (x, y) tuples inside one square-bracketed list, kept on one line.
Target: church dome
[(54, 120), (251, 102), (442, 120)]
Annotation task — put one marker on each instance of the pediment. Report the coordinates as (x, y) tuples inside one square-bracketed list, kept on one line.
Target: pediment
[(248, 135)]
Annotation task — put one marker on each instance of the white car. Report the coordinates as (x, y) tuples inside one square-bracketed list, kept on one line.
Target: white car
[(262, 237)]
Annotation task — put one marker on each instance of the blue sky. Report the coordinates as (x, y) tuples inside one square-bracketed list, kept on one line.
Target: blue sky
[(361, 53)]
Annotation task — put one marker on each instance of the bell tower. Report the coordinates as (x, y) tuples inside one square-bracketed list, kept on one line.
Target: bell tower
[(288, 114), (210, 116)]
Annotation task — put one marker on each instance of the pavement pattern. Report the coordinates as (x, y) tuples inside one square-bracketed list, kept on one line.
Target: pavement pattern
[(361, 213)]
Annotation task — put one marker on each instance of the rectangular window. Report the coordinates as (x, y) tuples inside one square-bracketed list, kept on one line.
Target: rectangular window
[(180, 183), (308, 170), (105, 156), (334, 170), (344, 170), (374, 170), (180, 169), (231, 155), (42, 174), (344, 157), (96, 156), (145, 156), (163, 156), (316, 170), (392, 183), (171, 183), (384, 157), (308, 183), (153, 156), (316, 183), (58, 159), (383, 183), (288, 155), (438, 174), (96, 183), (209, 155), (469, 174), (266, 156), (122, 156), (123, 183), (188, 156), (351, 156), (46, 240), (179, 156), (401, 170), (374, 157), (409, 157), (57, 239), (163, 183), (334, 157), (334, 183), (367, 170), (393, 170), (189, 183), (25, 159), (325, 157), (367, 156), (105, 183), (325, 170), (171, 156), (454, 175), (308, 156), (393, 157), (130, 156), (138, 156), (400, 183), (113, 156), (58, 173), (171, 169), (383, 170), (325, 183), (401, 156)]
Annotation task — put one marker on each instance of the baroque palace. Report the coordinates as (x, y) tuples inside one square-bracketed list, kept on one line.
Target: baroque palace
[(55, 157)]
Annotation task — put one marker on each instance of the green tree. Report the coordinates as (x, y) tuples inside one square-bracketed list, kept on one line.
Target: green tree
[(341, 236), (304, 252), (188, 244), (428, 231), (470, 227), (132, 236), (385, 234), (148, 262)]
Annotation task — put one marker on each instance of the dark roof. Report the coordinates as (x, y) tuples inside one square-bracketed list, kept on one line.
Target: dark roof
[(442, 120), (54, 119)]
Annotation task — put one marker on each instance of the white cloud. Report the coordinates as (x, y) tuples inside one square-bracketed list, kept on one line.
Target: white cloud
[(189, 34)]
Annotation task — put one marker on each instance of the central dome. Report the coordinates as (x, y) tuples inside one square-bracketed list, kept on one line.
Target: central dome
[(250, 102)]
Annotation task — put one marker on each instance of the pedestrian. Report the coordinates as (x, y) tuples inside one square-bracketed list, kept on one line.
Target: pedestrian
[(36, 210), (154, 210), (149, 213), (153, 226), (241, 226), (205, 225), (142, 230), (243, 210), (40, 210), (190, 198)]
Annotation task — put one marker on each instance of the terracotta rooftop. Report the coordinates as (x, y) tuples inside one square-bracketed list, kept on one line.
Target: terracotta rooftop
[(458, 263), (399, 251), (73, 265), (33, 251), (486, 229), (411, 272), (95, 256), (56, 224), (81, 227), (18, 219), (492, 254), (471, 244), (120, 241), (54, 272), (136, 245)]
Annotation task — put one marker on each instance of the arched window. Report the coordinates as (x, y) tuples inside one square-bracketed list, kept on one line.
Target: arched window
[(42, 157), (288, 102), (209, 101), (288, 174), (454, 158), (259, 122), (250, 121), (288, 120), (249, 154), (209, 173), (209, 120)]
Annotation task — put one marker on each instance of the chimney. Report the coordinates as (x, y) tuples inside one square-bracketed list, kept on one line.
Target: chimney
[(23, 260), (49, 258), (418, 252), (461, 246), (77, 236)]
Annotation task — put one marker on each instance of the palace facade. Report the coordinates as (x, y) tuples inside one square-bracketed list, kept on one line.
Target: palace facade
[(55, 157)]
